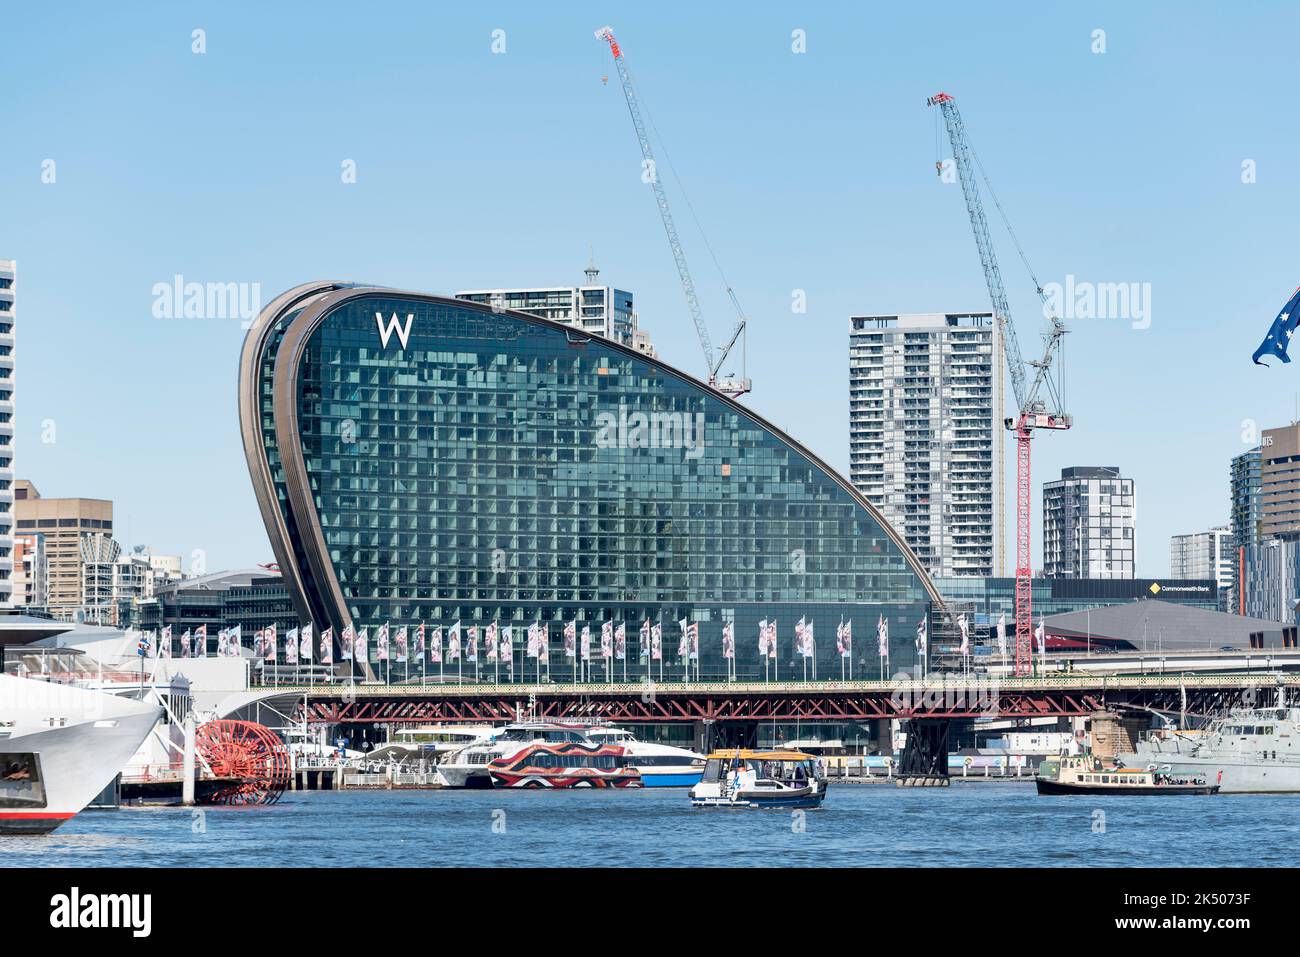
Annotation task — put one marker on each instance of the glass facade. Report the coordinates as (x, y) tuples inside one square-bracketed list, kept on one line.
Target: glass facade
[(487, 467)]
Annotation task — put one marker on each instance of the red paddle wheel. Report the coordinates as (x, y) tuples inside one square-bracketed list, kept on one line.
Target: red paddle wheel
[(249, 761)]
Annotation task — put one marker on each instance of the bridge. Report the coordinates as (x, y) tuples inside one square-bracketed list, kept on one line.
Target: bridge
[(649, 702)]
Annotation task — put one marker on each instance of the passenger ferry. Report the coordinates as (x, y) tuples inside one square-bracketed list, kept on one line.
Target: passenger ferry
[(60, 746), (760, 779), (661, 765), (1250, 751), (574, 764), (467, 767), (428, 743), (1084, 774)]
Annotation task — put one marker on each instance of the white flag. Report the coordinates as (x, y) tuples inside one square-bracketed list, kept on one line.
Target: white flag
[(1038, 634), (882, 636), (964, 626), (1002, 634)]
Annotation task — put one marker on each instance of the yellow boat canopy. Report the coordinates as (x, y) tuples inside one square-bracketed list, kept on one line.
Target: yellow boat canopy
[(745, 754)]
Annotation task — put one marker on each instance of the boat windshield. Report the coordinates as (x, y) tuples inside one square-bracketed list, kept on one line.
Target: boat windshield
[(549, 735)]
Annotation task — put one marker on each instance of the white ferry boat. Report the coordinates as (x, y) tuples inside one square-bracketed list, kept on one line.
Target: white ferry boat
[(428, 743), (742, 778), (60, 746), (467, 767), (1248, 751), (661, 765)]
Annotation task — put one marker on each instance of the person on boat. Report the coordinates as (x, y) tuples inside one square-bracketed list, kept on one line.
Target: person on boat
[(744, 777)]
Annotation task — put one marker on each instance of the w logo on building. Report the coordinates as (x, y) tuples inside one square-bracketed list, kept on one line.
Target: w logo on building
[(386, 331)]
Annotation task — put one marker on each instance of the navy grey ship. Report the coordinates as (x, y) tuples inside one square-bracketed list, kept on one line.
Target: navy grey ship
[(1249, 751)]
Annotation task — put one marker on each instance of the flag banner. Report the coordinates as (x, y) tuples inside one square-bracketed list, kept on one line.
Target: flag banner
[(223, 643), (606, 639), (683, 643), (1041, 637), (656, 642), (419, 641), (453, 643), (798, 638), (435, 644), (142, 645), (1280, 332), (381, 643), (882, 637), (921, 636), (349, 642), (620, 642), (270, 643), (471, 643), (762, 638), (304, 643), (165, 647), (694, 632), (644, 650), (327, 646), (809, 641), (844, 639), (570, 639), (259, 643), (492, 645), (291, 646), (543, 643), (533, 641), (507, 650), (235, 641), (964, 627), (728, 640), (201, 641), (186, 641), (771, 639), (363, 645), (586, 642), (1002, 634), (400, 638), (839, 639)]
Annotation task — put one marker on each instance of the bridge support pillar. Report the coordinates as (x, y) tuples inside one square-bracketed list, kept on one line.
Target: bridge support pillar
[(925, 756)]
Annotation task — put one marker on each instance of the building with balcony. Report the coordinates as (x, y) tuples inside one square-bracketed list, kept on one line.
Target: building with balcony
[(8, 318)]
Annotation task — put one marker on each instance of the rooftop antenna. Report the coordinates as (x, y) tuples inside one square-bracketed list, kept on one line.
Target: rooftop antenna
[(591, 270)]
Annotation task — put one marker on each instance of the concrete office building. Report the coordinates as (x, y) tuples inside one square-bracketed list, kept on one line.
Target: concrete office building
[(8, 309), (63, 522), (1279, 492), (1088, 524), (31, 578), (599, 310), (926, 437), (1207, 554)]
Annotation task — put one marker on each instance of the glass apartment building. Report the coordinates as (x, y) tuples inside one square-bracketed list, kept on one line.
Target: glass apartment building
[(1088, 524), (428, 459)]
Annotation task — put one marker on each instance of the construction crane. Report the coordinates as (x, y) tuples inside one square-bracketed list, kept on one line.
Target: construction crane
[(1032, 411), (729, 385)]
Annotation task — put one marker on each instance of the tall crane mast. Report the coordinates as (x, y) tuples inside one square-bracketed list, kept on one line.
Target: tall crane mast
[(730, 385), (1031, 411)]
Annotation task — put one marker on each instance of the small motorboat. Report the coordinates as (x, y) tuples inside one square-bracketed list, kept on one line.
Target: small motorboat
[(760, 779), (1085, 774)]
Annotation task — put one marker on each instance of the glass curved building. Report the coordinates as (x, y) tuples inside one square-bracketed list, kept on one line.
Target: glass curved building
[(426, 459)]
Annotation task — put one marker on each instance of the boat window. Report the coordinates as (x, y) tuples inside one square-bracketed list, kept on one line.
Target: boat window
[(712, 770), (20, 780)]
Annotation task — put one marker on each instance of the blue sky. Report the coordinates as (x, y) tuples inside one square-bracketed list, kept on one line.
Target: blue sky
[(810, 171)]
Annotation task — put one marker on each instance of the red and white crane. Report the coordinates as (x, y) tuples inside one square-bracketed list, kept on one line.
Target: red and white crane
[(1032, 411)]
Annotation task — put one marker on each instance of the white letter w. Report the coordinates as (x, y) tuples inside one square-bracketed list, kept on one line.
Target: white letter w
[(403, 332)]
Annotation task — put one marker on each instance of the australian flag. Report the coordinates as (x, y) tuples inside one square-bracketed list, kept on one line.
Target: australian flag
[(1279, 334)]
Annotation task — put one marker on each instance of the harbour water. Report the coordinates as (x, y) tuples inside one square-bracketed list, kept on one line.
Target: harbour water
[(861, 825)]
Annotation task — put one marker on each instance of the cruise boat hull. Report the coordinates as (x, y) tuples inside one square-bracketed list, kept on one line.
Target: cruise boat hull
[(670, 779), (1058, 787), (1239, 775), (65, 745)]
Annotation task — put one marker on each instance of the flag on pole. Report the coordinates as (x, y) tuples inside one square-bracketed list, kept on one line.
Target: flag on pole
[(270, 643), (435, 644), (491, 642), (327, 646), (507, 650), (684, 645), (921, 638), (543, 643), (798, 638), (762, 638), (471, 643), (1040, 637), (570, 639), (607, 640), (235, 641), (259, 643), (644, 650), (964, 627), (586, 643), (771, 639), (694, 632), (453, 642), (656, 642), (185, 643), (142, 645), (1002, 634), (400, 638), (728, 640), (419, 642), (201, 641), (305, 643), (363, 645), (882, 636), (349, 642), (381, 643), (620, 642), (166, 645), (1280, 332), (844, 639), (809, 644), (291, 646)]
